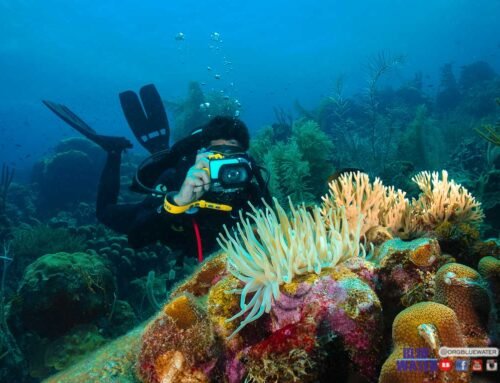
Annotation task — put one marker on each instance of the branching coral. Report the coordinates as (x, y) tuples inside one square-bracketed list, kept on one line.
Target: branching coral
[(379, 205), (280, 248), (441, 200)]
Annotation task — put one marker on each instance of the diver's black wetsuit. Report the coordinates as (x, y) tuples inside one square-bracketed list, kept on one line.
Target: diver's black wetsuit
[(147, 221)]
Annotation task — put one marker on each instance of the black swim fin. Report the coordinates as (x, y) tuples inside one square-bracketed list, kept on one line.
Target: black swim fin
[(108, 143), (148, 121)]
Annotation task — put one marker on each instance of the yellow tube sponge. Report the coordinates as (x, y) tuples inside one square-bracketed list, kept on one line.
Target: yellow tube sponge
[(183, 311)]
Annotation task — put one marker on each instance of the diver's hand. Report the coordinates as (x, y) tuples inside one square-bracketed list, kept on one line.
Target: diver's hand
[(196, 183)]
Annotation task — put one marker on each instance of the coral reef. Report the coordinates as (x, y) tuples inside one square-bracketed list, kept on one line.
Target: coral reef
[(32, 242), (317, 308), (74, 167), (59, 291), (294, 297), (202, 280), (115, 362), (282, 248), (428, 326), (179, 345), (443, 207), (462, 289), (405, 273), (131, 266), (70, 348), (330, 316), (489, 268), (290, 293)]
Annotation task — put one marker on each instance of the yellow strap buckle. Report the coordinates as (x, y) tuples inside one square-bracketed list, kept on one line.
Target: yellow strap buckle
[(174, 209)]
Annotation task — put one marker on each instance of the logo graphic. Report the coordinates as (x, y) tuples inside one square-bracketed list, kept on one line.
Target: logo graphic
[(417, 359), (462, 365), (491, 365), (445, 365), (477, 365)]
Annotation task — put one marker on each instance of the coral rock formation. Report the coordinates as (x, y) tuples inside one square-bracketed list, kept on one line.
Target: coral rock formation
[(462, 289), (424, 326)]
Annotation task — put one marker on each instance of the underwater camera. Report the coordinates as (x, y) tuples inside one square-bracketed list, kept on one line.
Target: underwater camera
[(229, 172)]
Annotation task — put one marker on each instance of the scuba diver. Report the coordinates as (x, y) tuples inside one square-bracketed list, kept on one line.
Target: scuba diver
[(194, 187)]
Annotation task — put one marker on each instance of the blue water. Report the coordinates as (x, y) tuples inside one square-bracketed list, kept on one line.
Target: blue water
[(83, 53)]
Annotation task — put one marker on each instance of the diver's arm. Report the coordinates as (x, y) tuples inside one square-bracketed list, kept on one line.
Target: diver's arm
[(151, 222), (146, 222)]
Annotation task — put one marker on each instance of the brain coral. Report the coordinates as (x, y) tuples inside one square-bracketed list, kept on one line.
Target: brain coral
[(462, 289), (59, 291), (428, 326)]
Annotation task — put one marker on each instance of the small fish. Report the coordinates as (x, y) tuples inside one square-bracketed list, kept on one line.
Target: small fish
[(19, 146), (180, 36)]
